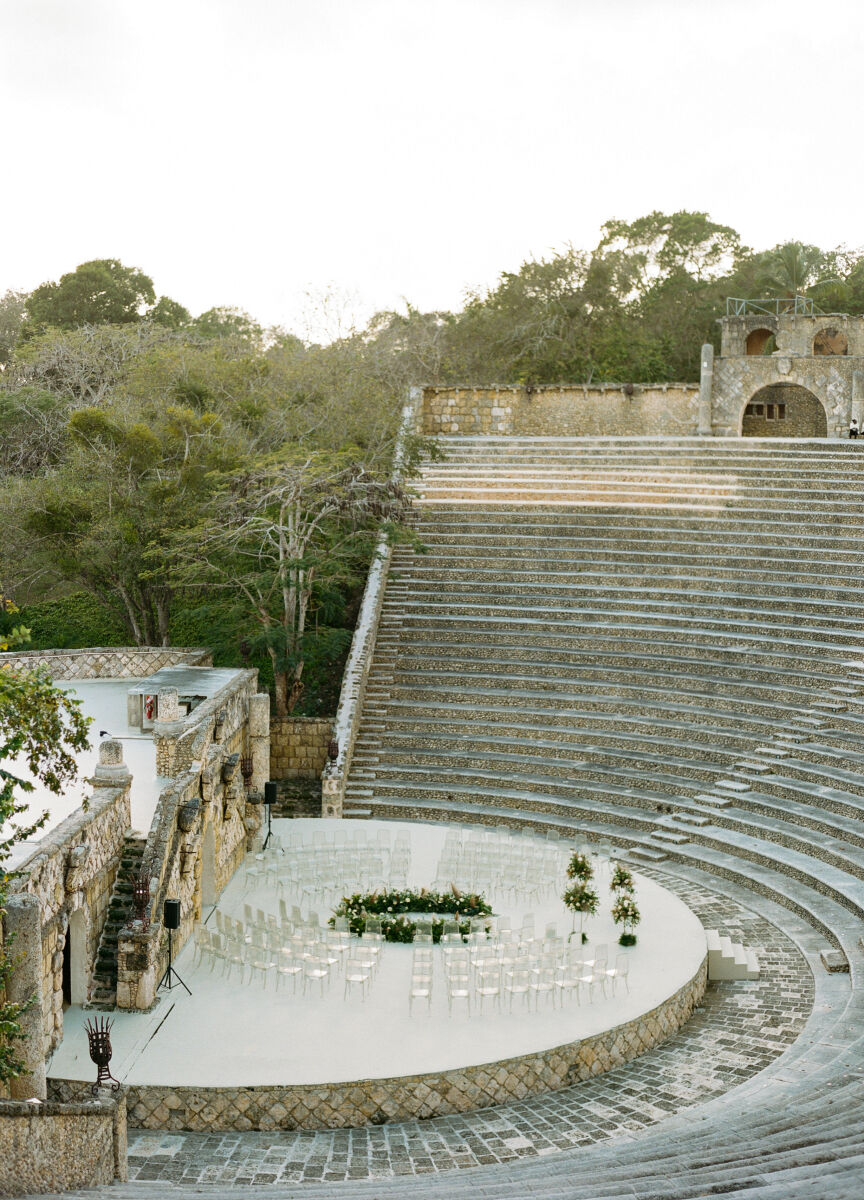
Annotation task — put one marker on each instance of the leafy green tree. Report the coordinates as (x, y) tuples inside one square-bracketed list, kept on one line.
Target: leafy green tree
[(44, 726), (279, 532), (169, 313), (13, 310), (104, 519), (101, 292), (227, 322), (790, 269)]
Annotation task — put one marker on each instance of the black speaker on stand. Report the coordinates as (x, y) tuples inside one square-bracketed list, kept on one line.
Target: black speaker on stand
[(269, 800), (171, 921)]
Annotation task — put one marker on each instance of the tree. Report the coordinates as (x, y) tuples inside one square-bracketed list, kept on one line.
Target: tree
[(101, 292), (280, 532), (791, 269), (169, 313), (13, 308), (44, 726), (229, 322)]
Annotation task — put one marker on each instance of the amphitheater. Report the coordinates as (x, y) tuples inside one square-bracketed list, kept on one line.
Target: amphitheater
[(653, 643)]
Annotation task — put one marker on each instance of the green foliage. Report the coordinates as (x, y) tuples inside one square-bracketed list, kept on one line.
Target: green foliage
[(622, 879), (44, 726), (625, 912), (101, 292), (581, 899), (71, 622), (169, 313), (579, 867), (391, 907)]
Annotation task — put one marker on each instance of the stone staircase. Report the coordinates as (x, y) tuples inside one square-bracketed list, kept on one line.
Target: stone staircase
[(103, 989)]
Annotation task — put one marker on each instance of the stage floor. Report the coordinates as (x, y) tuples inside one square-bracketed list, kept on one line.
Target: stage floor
[(229, 1033)]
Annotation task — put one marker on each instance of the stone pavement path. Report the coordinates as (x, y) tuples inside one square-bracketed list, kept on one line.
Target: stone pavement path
[(739, 1029)]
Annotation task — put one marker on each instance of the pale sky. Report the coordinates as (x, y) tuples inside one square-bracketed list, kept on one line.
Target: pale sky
[(246, 151)]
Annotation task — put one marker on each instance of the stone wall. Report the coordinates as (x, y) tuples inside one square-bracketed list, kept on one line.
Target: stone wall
[(201, 829), (375, 1101), (71, 873), (56, 1147), (298, 746), (558, 411), (736, 381), (107, 662)]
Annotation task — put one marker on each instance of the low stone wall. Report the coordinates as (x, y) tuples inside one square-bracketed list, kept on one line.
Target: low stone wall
[(351, 696), (71, 873), (107, 662), (376, 1101), (56, 1147), (603, 410), (298, 746)]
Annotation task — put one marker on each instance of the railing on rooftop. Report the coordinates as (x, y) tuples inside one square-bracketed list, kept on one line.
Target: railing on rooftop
[(776, 306)]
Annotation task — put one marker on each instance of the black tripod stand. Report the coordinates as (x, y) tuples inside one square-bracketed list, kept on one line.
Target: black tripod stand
[(269, 801), (172, 922)]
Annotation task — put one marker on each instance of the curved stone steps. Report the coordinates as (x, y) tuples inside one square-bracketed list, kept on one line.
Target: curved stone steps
[(618, 680), (688, 629), (825, 901)]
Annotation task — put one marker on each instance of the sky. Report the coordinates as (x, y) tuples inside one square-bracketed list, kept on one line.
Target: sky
[(261, 152)]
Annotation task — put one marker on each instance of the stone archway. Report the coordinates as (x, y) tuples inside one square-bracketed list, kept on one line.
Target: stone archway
[(75, 970), (830, 341), (758, 341), (784, 410)]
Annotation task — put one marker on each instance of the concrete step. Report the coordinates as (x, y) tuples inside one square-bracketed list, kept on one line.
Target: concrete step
[(729, 960)]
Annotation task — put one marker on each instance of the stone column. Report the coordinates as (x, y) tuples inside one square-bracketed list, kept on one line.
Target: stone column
[(259, 739), (169, 705), (858, 397), (24, 920), (111, 770), (706, 381), (332, 791)]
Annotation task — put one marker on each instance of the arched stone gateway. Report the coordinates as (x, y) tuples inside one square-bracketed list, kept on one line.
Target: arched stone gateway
[(784, 410)]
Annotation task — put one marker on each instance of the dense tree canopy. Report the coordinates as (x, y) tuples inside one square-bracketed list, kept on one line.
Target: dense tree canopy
[(144, 449)]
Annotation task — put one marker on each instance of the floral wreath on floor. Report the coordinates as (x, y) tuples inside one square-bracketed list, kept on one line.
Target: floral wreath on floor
[(391, 907)]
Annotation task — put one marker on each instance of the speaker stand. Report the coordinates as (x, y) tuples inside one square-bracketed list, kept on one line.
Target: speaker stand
[(170, 979)]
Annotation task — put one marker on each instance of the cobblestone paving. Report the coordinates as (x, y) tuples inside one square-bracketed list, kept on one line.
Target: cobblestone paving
[(739, 1029)]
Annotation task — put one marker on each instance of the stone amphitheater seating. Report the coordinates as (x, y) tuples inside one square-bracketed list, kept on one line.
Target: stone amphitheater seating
[(656, 643)]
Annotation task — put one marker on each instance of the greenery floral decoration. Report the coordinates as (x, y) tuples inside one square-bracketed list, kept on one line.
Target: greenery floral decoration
[(581, 899), (626, 913), (391, 908), (579, 867), (622, 879)]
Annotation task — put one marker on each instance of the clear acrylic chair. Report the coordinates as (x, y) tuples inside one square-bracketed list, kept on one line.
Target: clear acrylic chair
[(357, 975), (488, 987), (420, 989), (517, 982), (543, 984)]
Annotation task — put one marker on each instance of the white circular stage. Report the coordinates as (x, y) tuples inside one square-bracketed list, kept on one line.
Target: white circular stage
[(239, 1032)]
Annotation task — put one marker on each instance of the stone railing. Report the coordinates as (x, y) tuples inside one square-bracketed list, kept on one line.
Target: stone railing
[(107, 662), (592, 410), (56, 1147), (347, 722)]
